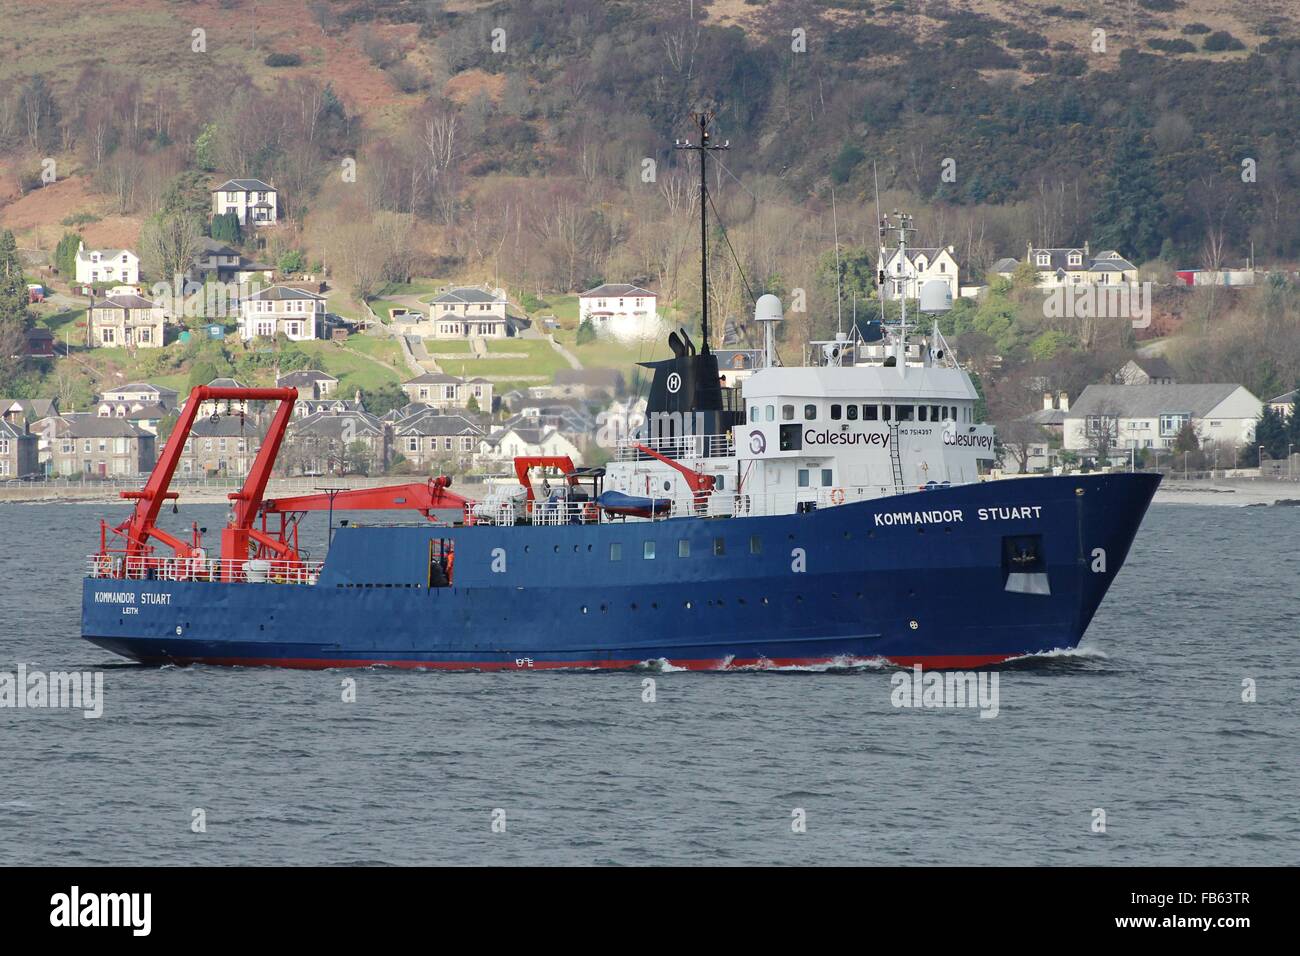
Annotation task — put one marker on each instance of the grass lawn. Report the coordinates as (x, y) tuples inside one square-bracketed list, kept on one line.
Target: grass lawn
[(459, 346), (563, 307), (384, 349), (58, 323), (352, 370), (417, 286), (542, 360)]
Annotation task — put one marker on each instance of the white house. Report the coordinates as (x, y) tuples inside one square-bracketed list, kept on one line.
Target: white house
[(119, 266), (626, 312), (1150, 416), (1074, 265), (905, 274), (468, 311), (503, 446), (253, 202), (295, 312)]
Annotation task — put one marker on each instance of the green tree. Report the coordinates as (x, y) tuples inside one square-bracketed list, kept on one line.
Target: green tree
[(291, 261), (1186, 440), (1271, 434), (187, 192), (1131, 213), (845, 162), (383, 399), (586, 333), (202, 372), (205, 146), (226, 228), (65, 255)]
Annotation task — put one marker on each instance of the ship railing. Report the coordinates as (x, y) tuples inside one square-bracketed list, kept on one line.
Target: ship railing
[(678, 447), (746, 505), (160, 568)]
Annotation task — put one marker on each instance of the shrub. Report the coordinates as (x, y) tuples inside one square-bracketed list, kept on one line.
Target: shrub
[(586, 333), (1195, 29), (1222, 40), (283, 59), (1178, 45)]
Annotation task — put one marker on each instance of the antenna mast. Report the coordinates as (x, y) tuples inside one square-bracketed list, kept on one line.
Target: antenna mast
[(901, 222), (703, 118)]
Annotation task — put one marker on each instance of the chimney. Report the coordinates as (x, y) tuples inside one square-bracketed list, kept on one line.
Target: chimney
[(357, 397), (1086, 253), (1047, 401), (1063, 401)]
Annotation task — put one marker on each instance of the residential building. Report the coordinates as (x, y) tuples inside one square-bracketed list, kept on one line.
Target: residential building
[(1075, 265), (39, 342), (223, 447), (627, 312), (1284, 404), (223, 406), (306, 407), (1121, 417), (27, 411), (905, 274), (468, 311), (118, 266), (431, 441), (500, 448), (448, 391), (588, 383), (224, 263), (84, 443), (295, 313), (129, 321), (336, 443), (145, 415), (1152, 370), (310, 383), (253, 202), (141, 393), (19, 456)]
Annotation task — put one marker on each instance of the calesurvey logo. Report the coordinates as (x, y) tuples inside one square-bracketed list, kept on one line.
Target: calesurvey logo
[(757, 442), (968, 441), (813, 437), (674, 383)]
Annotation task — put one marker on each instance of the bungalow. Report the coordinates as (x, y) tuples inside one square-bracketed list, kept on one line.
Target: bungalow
[(118, 266), (295, 313), (627, 312), (253, 202), (1120, 417), (131, 321), (19, 457), (1075, 265)]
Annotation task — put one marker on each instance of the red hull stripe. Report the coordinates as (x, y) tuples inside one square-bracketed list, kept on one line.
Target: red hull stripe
[(313, 663)]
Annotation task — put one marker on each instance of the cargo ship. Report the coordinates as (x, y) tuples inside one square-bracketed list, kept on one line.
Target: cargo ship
[(832, 511)]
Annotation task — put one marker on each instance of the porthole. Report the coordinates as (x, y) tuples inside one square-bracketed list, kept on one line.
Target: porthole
[(527, 548), (687, 605), (584, 609), (764, 600)]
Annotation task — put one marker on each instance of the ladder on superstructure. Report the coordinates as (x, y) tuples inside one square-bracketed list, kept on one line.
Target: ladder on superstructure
[(895, 459)]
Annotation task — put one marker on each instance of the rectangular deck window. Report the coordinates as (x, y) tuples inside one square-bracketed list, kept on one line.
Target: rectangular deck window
[(870, 413), (648, 551), (683, 548), (755, 544), (719, 547), (615, 551)]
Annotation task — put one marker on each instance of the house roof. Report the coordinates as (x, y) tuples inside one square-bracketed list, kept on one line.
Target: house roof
[(468, 294), (1286, 398), (617, 289), (306, 376), (226, 426), (1006, 264), (1127, 401), (245, 185), (1045, 416), (1060, 258), (1111, 265), (429, 423), (1155, 366), (84, 254), (528, 435), (215, 247), (140, 387), (124, 302), (278, 293), (88, 425), (8, 430), (332, 424), (147, 412), (32, 408), (434, 378)]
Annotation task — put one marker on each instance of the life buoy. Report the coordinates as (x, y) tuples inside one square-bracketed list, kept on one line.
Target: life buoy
[(837, 496)]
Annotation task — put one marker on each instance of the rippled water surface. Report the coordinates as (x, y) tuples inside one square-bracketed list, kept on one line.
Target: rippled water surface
[(1145, 721)]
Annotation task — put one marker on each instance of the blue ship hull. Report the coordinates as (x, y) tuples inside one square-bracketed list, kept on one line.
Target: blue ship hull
[(952, 577)]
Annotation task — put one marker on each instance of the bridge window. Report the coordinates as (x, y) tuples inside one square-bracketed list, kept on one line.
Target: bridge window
[(770, 413), (753, 413), (683, 548), (923, 413), (648, 550), (934, 413), (810, 412), (787, 413), (904, 413), (887, 412), (852, 411), (803, 477), (870, 412), (826, 477), (836, 411), (615, 551)]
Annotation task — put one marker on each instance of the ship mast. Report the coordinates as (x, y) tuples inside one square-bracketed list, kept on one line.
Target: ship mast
[(902, 222), (703, 119)]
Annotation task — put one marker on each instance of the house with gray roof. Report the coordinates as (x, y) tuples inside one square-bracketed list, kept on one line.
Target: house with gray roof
[(113, 266), (464, 312), (19, 454), (1073, 265), (310, 383), (84, 443), (449, 391), (127, 321), (336, 443), (433, 441), (253, 202), (1120, 417), (281, 310), (1146, 370)]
